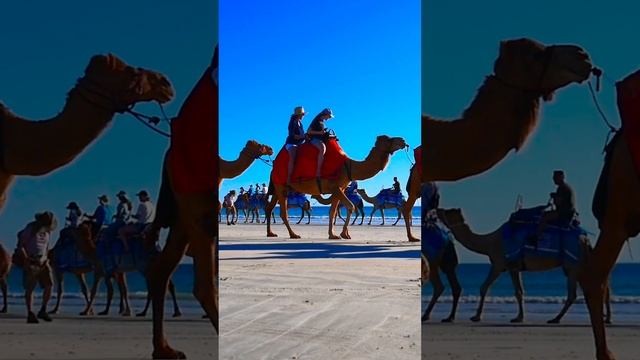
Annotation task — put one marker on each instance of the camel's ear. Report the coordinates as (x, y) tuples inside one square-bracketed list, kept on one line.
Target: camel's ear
[(98, 63)]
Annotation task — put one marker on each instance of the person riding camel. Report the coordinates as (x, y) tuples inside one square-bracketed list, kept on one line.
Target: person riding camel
[(101, 216), (317, 133), (143, 217), (396, 186), (250, 191), (74, 215), (564, 202), (241, 191), (352, 188), (229, 205), (295, 138), (264, 189), (32, 251), (123, 210)]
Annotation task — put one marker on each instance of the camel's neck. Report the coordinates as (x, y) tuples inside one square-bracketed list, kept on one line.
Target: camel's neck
[(481, 244), (499, 119), (372, 164), (234, 168), (366, 197)]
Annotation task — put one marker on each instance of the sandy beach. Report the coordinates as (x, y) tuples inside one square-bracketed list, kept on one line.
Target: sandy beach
[(112, 337), (314, 298)]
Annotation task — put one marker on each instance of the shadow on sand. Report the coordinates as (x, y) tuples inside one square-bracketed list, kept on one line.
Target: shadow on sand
[(296, 250)]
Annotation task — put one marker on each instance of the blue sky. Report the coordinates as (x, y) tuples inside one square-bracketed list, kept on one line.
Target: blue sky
[(46, 46), (459, 48), (360, 58)]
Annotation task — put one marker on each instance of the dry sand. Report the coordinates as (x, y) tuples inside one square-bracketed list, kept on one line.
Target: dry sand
[(75, 337), (314, 298)]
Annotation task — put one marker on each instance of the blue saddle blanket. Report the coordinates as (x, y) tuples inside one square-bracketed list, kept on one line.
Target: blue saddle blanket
[(296, 198), (114, 257), (388, 196), (355, 198), (434, 238), (558, 241), (67, 257)]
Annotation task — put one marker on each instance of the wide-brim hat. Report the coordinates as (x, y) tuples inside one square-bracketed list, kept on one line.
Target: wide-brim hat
[(143, 193), (299, 110), (104, 198), (47, 219), (327, 111), (121, 193), (72, 205)]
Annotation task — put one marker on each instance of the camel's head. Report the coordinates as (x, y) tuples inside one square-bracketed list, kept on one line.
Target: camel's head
[(390, 144), (531, 66), (111, 77), (450, 217), (258, 149)]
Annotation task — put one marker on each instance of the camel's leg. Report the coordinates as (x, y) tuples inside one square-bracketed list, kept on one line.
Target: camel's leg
[(107, 280), (600, 262), (341, 197), (406, 212), (308, 217), (160, 270), (516, 279), (97, 276), (373, 211), (438, 289), (83, 286), (59, 291), (572, 294), (607, 302), (493, 275), (301, 216), (362, 214), (382, 214), (3, 287), (144, 311), (176, 308), (284, 215), (125, 307), (456, 291), (269, 209), (399, 209)]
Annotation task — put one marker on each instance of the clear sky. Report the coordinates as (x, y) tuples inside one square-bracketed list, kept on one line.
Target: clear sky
[(45, 48), (360, 58), (460, 42)]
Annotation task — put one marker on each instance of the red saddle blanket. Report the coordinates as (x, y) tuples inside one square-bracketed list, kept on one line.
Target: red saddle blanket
[(417, 154), (629, 107), (306, 163), (194, 138)]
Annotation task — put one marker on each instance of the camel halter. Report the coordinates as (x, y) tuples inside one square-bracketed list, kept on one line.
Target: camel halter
[(256, 156), (115, 104)]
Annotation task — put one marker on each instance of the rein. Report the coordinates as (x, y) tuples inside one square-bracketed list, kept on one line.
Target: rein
[(612, 129)]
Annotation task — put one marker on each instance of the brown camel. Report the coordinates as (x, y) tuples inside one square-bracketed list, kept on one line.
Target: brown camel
[(353, 170), (108, 86), (378, 206), (78, 272), (505, 110), (413, 194), (615, 206), (251, 151), (491, 245), (447, 262), (358, 209), (5, 268)]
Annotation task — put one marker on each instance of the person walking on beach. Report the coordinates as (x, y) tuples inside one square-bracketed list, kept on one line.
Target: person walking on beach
[(230, 207), (564, 202), (101, 216), (295, 138), (317, 133), (32, 250)]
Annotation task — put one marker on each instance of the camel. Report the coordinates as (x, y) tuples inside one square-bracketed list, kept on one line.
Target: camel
[(378, 206), (491, 245), (447, 262), (78, 271), (109, 86), (505, 110), (251, 151), (352, 170), (358, 207), (5, 268), (615, 206), (413, 194)]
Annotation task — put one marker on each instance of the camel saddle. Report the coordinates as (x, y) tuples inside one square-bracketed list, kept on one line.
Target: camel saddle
[(435, 239), (306, 163), (296, 198)]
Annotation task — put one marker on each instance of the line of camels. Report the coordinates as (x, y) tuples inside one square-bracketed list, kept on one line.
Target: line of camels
[(506, 110)]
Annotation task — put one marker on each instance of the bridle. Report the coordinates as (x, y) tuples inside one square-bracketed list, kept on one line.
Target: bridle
[(255, 156), (539, 90)]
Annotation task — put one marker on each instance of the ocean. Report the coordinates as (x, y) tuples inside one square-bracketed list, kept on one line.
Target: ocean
[(320, 215), (545, 292)]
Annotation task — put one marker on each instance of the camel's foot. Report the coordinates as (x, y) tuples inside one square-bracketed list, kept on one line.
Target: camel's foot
[(86, 312), (606, 355), (476, 318), (413, 239), (606, 321), (294, 236), (3, 310), (102, 313), (42, 314), (517, 320), (167, 352), (31, 318), (141, 314), (177, 313), (126, 312), (334, 237), (425, 317), (345, 235), (555, 320), (270, 234), (450, 319), (53, 312)]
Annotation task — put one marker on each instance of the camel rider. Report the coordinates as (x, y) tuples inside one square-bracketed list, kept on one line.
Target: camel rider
[(352, 188), (241, 191), (564, 201), (317, 134), (144, 216), (258, 191), (295, 138), (123, 210), (430, 201), (229, 205), (32, 249), (396, 186), (264, 189), (74, 215), (101, 216), (250, 191)]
